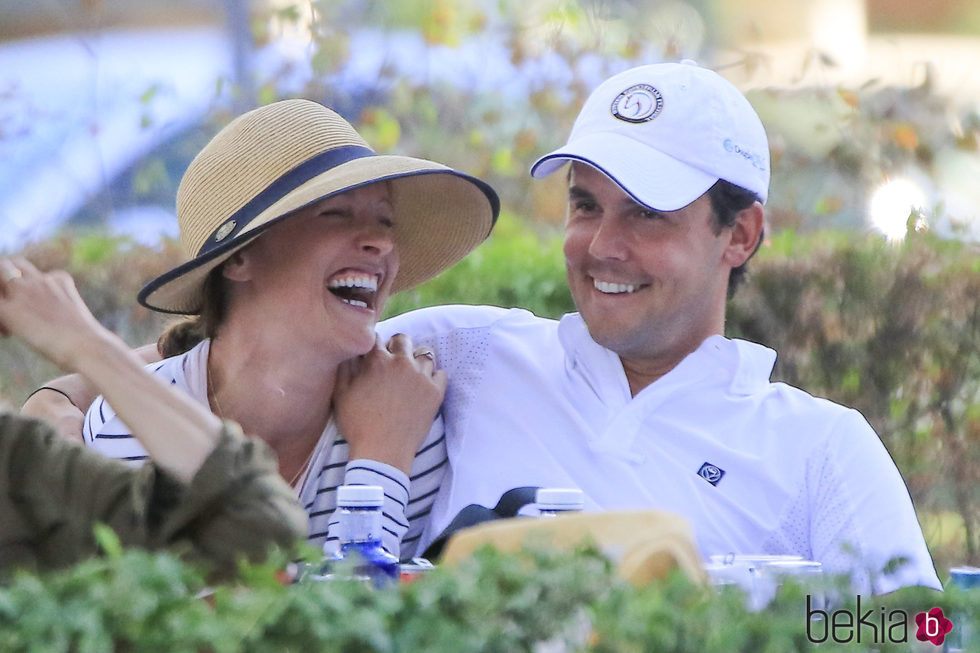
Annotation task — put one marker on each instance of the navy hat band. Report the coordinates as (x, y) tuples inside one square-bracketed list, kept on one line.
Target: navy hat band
[(280, 188)]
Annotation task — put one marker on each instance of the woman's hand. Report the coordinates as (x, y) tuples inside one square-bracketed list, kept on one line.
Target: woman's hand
[(45, 311), (385, 401)]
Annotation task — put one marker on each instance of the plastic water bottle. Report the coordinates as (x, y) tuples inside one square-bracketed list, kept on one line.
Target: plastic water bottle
[(761, 576), (359, 534), (552, 501), (962, 638)]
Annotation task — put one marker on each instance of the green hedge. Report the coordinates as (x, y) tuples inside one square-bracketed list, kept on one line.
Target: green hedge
[(536, 601)]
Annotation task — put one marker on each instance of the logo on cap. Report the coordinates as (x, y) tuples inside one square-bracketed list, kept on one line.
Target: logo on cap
[(638, 103)]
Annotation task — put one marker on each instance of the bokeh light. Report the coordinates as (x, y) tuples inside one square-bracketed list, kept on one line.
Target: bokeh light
[(892, 203)]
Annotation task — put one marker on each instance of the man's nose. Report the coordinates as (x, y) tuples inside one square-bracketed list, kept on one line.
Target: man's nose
[(609, 240)]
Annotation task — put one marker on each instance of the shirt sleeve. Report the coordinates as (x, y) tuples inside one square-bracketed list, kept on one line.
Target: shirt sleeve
[(110, 436), (95, 418), (54, 491), (395, 484), (431, 322), (862, 518), (236, 504)]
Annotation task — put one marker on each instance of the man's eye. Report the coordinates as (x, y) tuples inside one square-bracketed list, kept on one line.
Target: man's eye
[(650, 214), (584, 205)]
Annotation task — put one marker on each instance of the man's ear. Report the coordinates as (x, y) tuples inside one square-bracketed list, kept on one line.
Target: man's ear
[(744, 234), (237, 267)]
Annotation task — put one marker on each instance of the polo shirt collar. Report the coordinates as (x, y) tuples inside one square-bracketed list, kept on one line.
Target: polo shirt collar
[(745, 365), (586, 359), (738, 365)]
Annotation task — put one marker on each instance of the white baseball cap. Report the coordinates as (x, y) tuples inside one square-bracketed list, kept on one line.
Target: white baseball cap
[(666, 133)]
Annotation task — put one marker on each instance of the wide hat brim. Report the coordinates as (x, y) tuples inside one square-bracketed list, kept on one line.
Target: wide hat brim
[(440, 216), (654, 179)]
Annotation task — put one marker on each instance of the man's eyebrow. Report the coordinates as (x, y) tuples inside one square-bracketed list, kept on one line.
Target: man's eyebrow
[(579, 193), (631, 203)]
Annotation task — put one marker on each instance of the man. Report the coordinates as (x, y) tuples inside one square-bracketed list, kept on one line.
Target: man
[(638, 399)]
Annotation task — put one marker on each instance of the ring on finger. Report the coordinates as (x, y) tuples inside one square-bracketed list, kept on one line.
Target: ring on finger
[(425, 353), (11, 273)]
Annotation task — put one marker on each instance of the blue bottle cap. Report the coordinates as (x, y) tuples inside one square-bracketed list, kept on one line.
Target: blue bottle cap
[(965, 577)]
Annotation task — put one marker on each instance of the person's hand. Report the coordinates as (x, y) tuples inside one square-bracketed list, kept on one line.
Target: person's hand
[(385, 401), (45, 310)]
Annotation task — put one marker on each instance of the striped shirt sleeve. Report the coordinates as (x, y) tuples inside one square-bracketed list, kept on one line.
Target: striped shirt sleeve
[(103, 431)]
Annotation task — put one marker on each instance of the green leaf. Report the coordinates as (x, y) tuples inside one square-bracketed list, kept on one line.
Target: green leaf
[(851, 382), (107, 540)]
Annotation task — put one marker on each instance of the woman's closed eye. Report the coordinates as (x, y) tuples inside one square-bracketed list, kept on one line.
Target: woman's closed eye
[(339, 214)]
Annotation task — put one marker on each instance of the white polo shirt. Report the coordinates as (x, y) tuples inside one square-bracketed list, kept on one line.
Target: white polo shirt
[(757, 467)]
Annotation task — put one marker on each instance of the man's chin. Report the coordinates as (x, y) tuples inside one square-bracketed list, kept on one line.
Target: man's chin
[(607, 334)]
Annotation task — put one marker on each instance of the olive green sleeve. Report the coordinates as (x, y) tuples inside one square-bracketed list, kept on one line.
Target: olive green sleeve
[(236, 504), (53, 491)]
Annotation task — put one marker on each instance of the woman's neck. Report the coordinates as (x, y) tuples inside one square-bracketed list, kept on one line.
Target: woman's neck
[(275, 392)]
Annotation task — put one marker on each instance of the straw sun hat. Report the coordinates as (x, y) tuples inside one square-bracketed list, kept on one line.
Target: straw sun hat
[(282, 157)]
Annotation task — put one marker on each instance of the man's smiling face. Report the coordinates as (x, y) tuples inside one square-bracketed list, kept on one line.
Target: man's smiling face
[(649, 284)]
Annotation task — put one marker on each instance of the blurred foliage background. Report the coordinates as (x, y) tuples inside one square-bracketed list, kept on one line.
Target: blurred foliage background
[(887, 324)]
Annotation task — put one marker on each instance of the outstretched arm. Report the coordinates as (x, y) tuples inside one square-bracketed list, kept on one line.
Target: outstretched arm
[(46, 312)]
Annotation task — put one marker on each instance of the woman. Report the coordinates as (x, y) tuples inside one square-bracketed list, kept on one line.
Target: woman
[(207, 486), (295, 232)]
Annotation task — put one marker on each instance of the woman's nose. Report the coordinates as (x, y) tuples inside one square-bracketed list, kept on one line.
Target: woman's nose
[(377, 237)]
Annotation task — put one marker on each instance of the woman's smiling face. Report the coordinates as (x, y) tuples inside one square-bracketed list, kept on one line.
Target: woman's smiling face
[(325, 272)]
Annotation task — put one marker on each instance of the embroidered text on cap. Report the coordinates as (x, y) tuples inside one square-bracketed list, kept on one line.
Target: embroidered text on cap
[(638, 103)]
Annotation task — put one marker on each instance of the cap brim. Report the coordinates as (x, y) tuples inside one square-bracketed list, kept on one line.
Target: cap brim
[(441, 215), (650, 177)]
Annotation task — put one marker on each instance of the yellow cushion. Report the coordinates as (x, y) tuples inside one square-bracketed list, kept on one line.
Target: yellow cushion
[(643, 544)]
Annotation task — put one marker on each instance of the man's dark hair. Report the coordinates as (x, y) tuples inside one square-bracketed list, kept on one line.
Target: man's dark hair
[(727, 200)]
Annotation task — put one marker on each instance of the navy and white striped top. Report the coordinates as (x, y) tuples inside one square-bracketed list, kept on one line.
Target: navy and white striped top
[(408, 500)]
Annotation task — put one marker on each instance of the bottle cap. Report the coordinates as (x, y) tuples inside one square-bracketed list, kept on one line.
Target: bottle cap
[(965, 577), (360, 496), (553, 498)]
